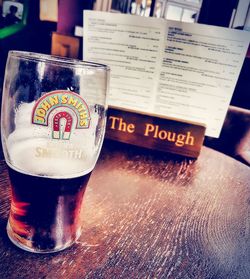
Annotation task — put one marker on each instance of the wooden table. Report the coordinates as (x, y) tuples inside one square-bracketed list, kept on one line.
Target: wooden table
[(148, 215)]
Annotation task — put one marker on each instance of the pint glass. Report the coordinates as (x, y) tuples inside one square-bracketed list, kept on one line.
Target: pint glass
[(53, 124)]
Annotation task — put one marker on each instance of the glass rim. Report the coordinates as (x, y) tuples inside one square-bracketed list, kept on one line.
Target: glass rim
[(54, 59)]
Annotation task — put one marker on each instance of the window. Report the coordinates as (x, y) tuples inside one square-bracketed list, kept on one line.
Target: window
[(181, 10)]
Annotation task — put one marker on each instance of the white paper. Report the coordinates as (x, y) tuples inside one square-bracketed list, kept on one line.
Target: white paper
[(199, 72), (175, 69), (133, 50)]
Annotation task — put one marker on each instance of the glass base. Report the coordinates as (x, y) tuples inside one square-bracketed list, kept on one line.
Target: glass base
[(27, 245)]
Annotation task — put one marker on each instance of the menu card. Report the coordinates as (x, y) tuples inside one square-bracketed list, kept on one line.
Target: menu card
[(173, 69)]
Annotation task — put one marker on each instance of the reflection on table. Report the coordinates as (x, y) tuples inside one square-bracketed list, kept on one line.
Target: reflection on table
[(149, 215)]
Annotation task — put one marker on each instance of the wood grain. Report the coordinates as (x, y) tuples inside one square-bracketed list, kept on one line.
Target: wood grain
[(161, 133), (148, 215)]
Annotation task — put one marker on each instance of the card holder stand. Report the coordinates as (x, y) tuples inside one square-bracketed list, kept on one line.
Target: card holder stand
[(155, 132)]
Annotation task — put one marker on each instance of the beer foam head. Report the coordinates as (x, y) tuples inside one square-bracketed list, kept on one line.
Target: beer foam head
[(34, 151)]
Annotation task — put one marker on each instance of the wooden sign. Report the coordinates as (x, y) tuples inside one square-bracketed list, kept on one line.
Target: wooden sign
[(155, 132), (63, 45)]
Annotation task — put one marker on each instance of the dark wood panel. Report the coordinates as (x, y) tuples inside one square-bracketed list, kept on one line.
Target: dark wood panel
[(155, 132), (149, 215)]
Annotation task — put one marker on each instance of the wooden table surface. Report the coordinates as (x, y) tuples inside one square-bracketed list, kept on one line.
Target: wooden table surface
[(148, 215)]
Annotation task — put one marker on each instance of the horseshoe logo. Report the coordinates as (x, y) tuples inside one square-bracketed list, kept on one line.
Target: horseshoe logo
[(59, 110), (57, 132)]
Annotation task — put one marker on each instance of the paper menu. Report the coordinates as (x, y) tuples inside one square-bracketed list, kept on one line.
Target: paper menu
[(175, 69), (200, 68), (133, 50)]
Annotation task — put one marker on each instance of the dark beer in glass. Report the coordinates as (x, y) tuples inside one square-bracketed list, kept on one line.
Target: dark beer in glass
[(53, 124)]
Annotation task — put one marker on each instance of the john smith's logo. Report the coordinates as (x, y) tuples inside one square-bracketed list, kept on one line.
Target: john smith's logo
[(61, 110)]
